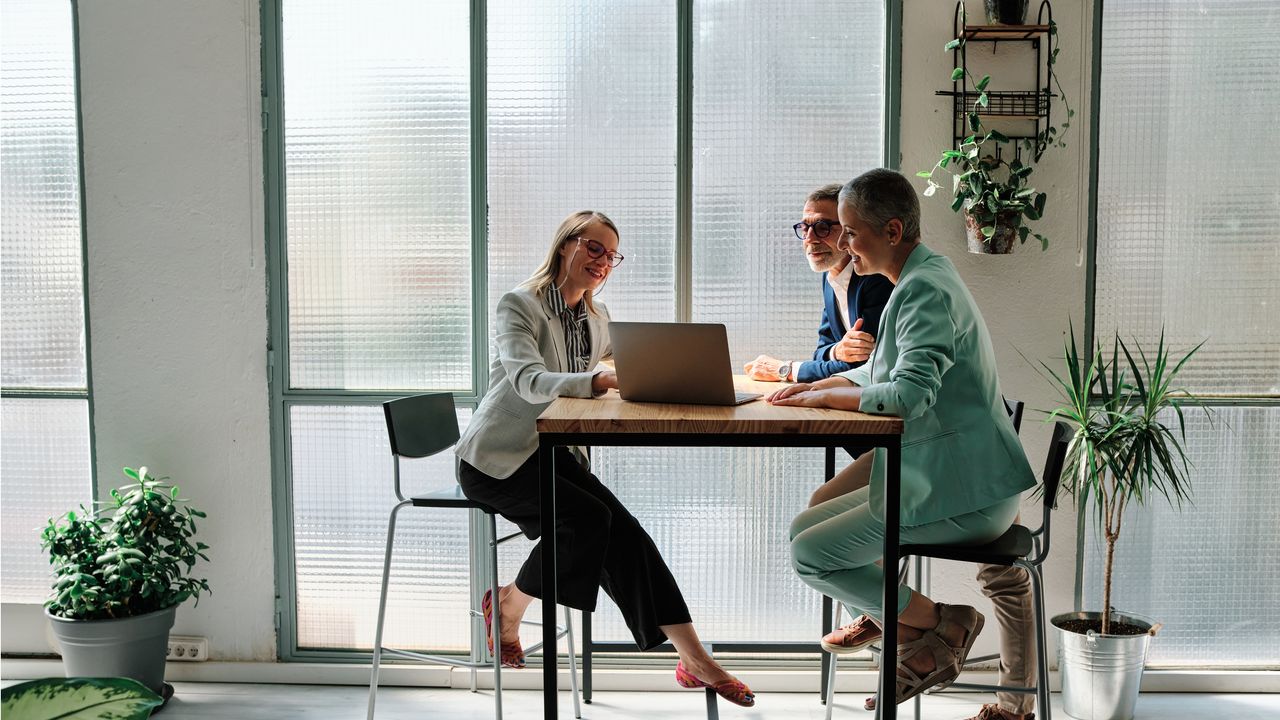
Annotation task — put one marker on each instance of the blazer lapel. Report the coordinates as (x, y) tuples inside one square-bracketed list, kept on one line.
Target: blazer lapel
[(557, 333)]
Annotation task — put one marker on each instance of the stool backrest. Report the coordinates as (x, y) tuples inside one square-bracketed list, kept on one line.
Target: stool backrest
[(1054, 462), (421, 425), (1014, 408)]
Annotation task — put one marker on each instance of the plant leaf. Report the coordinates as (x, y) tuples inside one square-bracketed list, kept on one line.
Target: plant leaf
[(957, 74), (79, 699), (982, 84)]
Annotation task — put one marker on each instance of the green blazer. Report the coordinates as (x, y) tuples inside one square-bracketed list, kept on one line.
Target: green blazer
[(934, 367)]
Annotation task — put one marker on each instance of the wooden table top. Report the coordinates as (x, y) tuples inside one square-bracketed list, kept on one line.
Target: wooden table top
[(611, 414)]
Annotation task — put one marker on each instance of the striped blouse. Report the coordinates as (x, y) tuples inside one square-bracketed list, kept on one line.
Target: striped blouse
[(577, 335)]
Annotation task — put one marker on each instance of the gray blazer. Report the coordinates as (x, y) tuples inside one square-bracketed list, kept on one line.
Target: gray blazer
[(529, 372)]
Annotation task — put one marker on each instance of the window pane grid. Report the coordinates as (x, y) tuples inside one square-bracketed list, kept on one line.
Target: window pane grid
[(377, 141), (782, 106), (581, 109), (1175, 231), (46, 469), (43, 329), (1208, 571), (342, 479)]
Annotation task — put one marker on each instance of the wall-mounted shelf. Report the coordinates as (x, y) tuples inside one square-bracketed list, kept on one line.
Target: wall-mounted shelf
[(1033, 106)]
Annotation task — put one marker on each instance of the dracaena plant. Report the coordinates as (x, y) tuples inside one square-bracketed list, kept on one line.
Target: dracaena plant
[(1123, 452), (127, 557), (984, 183)]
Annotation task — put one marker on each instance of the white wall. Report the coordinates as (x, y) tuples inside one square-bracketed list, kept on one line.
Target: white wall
[(177, 284), (1028, 296)]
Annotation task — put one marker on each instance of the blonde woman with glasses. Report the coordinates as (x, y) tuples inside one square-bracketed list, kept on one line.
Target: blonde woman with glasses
[(552, 335)]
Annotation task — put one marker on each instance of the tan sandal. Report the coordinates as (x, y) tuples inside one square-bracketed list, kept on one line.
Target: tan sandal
[(948, 659)]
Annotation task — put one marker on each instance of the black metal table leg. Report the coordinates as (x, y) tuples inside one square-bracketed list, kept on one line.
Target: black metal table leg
[(547, 480)]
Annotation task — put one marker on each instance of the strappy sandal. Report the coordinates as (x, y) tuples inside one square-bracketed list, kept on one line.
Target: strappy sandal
[(967, 617), (512, 652), (735, 691), (948, 659)]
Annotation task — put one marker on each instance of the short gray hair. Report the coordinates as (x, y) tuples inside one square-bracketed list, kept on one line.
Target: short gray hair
[(826, 193), (880, 195)]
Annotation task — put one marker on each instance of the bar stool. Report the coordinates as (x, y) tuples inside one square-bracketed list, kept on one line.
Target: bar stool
[(1015, 409), (1019, 546), (418, 427)]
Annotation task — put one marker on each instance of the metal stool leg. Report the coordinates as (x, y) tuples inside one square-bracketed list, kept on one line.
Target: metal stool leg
[(496, 655), (1042, 675), (830, 698), (382, 609), (573, 662)]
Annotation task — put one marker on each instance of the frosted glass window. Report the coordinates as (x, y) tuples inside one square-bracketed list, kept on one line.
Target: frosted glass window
[(377, 194), (44, 460), (582, 116), (1209, 572), (342, 480), (45, 468), (720, 517), (1188, 196), (43, 329), (787, 98)]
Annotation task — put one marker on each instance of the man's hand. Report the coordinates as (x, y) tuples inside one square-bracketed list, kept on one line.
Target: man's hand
[(855, 346), (763, 368), (604, 380)]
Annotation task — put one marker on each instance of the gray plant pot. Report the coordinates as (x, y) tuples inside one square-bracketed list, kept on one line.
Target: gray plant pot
[(1101, 674), (133, 647)]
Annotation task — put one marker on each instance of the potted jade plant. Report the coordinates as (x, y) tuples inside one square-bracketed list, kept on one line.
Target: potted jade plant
[(120, 573), (1127, 450), (993, 191)]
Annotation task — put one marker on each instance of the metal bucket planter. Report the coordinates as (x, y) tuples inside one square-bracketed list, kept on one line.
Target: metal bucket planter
[(1101, 674), (133, 647)]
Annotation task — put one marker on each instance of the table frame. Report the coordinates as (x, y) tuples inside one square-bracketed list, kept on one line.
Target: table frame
[(548, 441)]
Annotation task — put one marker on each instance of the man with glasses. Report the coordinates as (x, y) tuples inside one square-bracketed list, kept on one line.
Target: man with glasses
[(853, 303)]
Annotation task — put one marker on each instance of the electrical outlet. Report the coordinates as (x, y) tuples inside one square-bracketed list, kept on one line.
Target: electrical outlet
[(188, 648)]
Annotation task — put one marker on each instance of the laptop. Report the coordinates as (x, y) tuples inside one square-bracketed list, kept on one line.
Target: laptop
[(674, 363)]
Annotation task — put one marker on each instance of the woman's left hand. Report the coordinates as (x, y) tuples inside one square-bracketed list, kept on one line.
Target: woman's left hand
[(848, 397), (803, 398), (786, 392)]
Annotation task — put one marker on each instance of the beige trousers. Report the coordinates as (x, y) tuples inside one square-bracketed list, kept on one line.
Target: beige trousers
[(1009, 588)]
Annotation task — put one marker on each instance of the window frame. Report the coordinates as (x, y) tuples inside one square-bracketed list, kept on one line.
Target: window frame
[(86, 394), (283, 398), (1083, 527)]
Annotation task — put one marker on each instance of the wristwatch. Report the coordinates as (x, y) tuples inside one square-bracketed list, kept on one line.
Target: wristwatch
[(784, 371)]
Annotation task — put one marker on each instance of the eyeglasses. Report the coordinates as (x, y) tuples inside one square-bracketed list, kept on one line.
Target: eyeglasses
[(821, 229), (595, 250)]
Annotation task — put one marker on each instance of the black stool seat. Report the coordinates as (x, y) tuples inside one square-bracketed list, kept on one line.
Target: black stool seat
[(1010, 547), (449, 499)]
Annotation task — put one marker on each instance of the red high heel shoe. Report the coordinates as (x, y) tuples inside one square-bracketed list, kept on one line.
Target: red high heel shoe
[(512, 653), (735, 691)]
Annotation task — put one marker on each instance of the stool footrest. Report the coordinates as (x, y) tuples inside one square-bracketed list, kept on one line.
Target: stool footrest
[(986, 688), (439, 659)]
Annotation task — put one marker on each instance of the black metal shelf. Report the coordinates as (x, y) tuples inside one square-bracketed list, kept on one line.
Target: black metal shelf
[(1032, 106), (1021, 104)]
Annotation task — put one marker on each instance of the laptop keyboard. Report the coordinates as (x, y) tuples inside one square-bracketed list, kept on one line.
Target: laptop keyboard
[(739, 398)]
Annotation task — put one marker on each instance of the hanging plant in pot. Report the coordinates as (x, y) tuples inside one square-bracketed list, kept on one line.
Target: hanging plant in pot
[(993, 192), (1122, 453), (120, 573)]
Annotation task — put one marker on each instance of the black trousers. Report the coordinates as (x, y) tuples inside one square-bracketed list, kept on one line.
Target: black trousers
[(599, 544)]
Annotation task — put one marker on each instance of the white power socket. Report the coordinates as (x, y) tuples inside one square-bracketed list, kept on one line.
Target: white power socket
[(188, 648)]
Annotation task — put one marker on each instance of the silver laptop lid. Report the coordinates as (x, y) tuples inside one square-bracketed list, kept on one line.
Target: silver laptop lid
[(673, 362)]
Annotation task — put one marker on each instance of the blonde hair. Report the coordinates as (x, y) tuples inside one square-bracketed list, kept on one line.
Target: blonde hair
[(546, 274)]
